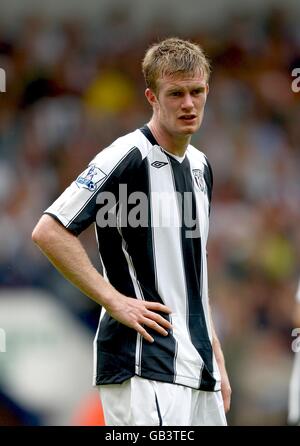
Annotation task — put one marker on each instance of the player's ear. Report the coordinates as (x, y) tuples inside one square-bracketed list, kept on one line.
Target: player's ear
[(151, 97)]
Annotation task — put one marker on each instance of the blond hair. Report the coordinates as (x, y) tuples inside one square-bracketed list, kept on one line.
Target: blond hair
[(173, 56)]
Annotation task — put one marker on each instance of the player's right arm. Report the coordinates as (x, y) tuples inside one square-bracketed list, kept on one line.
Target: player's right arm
[(57, 232), (67, 254)]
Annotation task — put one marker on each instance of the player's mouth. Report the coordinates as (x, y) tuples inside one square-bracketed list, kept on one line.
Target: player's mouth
[(188, 118)]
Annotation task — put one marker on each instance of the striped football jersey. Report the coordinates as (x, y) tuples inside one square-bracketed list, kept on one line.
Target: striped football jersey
[(151, 215)]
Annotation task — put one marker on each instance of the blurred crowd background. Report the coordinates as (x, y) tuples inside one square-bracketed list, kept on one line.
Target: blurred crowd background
[(72, 86)]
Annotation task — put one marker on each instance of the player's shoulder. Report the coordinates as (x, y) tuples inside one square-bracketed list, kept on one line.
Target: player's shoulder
[(131, 144), (195, 155)]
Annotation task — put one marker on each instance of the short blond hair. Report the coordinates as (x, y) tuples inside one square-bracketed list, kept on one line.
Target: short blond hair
[(173, 56)]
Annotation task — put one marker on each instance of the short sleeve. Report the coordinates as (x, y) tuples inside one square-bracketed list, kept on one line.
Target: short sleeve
[(76, 207)]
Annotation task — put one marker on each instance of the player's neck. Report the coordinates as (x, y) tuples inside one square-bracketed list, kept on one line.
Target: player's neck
[(175, 145)]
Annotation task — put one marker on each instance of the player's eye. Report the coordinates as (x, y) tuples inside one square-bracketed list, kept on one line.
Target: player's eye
[(198, 91)]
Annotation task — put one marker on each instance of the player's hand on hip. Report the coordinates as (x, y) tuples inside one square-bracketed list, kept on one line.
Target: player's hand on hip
[(140, 314)]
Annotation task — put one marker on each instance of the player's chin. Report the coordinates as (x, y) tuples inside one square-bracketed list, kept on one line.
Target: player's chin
[(189, 128)]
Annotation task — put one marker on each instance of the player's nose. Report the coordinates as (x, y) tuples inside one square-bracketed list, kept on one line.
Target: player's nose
[(187, 102)]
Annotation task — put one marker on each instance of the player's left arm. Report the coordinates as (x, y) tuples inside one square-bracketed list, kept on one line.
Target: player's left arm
[(225, 384)]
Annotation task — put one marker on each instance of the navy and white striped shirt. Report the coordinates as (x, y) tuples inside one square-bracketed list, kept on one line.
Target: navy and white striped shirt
[(155, 261)]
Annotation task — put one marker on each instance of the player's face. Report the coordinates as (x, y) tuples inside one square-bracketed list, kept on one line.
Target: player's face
[(179, 103)]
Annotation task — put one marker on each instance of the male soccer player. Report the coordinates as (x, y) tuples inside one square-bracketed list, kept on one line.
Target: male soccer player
[(158, 360)]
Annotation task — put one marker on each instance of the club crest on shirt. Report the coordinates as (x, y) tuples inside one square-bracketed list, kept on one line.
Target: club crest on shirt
[(90, 178), (199, 179)]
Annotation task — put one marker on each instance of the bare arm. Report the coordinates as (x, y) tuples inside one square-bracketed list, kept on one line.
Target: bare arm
[(225, 384), (68, 255)]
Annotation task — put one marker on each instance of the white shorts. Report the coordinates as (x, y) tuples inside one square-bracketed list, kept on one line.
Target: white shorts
[(142, 402)]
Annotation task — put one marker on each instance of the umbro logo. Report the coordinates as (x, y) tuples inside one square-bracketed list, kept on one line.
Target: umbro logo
[(158, 164)]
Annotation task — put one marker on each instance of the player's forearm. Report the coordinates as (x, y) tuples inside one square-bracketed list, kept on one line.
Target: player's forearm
[(216, 344), (218, 351), (67, 254), (225, 384)]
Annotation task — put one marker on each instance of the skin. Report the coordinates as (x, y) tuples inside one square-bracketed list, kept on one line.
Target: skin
[(178, 108), (177, 99), (225, 383)]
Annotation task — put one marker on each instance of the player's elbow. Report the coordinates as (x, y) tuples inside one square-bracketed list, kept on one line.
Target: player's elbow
[(41, 234), (38, 234)]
